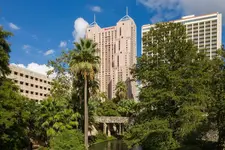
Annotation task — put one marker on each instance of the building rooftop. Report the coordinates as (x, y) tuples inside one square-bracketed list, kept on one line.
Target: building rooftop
[(186, 17), (29, 71)]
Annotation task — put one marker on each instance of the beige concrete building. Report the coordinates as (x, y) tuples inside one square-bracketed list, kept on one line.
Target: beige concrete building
[(33, 85), (204, 30), (117, 50)]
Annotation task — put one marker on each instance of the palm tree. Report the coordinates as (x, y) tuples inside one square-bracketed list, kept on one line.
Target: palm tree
[(121, 91), (85, 62)]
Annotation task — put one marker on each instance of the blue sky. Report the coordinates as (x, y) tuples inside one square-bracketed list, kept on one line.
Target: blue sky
[(42, 28)]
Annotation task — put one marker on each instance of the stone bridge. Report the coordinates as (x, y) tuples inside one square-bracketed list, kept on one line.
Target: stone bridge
[(112, 123)]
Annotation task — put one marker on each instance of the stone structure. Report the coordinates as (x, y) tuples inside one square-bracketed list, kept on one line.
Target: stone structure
[(115, 121)]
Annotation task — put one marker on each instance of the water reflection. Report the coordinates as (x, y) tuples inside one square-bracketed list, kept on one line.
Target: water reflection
[(112, 145)]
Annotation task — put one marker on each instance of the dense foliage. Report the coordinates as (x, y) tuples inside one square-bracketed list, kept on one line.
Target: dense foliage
[(68, 140), (13, 117), (176, 78), (4, 52), (55, 117), (217, 108)]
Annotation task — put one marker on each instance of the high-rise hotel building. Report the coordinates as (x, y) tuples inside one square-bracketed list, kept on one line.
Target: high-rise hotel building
[(117, 50), (204, 30)]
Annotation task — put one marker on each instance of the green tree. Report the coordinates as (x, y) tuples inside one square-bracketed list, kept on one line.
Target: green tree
[(121, 91), (13, 117), (107, 108), (68, 140), (176, 79), (217, 111), (4, 52), (85, 62), (56, 116), (127, 107)]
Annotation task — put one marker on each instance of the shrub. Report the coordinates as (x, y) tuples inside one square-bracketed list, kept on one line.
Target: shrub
[(68, 140)]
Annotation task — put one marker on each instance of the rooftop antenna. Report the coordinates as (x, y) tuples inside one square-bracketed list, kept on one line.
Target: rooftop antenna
[(126, 11), (94, 18)]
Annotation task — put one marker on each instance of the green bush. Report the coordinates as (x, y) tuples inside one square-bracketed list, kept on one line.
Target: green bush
[(108, 108), (101, 135), (68, 140)]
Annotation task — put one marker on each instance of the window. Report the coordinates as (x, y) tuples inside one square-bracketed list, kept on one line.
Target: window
[(40, 87), (36, 79), (21, 91), (36, 93), (119, 45), (118, 61), (32, 85), (27, 91), (21, 74), (26, 76), (49, 82), (40, 80), (31, 77), (41, 94), (45, 81), (36, 86), (45, 88), (15, 73), (31, 92), (27, 84), (16, 81), (45, 95), (49, 89), (21, 82), (120, 31)]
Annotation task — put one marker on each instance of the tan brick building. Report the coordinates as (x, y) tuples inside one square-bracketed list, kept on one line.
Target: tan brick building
[(117, 50), (33, 85)]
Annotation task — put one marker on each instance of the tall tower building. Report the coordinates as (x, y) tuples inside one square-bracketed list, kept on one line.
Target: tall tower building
[(117, 50), (205, 31)]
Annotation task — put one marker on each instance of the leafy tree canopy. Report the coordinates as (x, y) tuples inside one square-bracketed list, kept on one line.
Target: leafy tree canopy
[(13, 117), (4, 52), (176, 79), (68, 140)]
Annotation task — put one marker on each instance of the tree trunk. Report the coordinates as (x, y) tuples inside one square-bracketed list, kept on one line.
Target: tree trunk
[(85, 115)]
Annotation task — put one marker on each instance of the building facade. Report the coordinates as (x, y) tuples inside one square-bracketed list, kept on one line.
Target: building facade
[(205, 31), (33, 85), (117, 50)]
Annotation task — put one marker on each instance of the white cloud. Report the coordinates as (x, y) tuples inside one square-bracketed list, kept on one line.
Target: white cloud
[(63, 44), (25, 47), (80, 26), (13, 26), (96, 8), (49, 52), (171, 9), (42, 69), (34, 37), (203, 6)]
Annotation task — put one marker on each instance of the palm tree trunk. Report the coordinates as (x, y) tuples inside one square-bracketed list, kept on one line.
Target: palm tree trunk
[(85, 115)]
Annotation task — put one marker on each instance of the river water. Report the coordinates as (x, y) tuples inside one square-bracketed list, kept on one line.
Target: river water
[(111, 145)]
